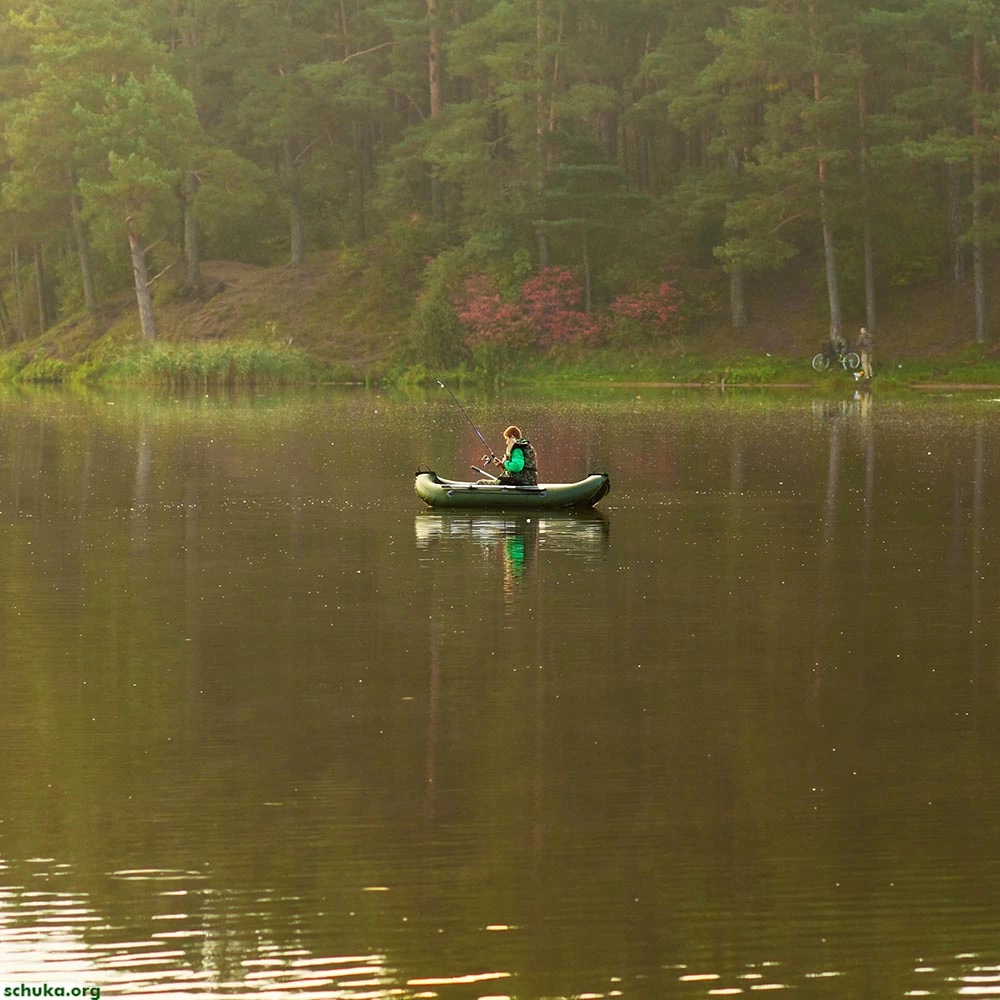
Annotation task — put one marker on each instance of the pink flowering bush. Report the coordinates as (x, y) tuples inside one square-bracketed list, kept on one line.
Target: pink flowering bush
[(553, 302), (489, 318), (547, 311), (660, 307), (638, 319)]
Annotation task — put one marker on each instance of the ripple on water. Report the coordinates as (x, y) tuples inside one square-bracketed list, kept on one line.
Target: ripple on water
[(155, 874), (53, 944)]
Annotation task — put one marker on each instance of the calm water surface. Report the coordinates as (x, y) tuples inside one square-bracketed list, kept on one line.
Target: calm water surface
[(271, 728)]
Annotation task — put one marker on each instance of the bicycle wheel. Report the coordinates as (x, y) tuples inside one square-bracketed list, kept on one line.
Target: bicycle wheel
[(820, 362), (852, 361)]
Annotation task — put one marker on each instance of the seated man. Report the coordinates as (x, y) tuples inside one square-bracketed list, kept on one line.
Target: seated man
[(519, 462)]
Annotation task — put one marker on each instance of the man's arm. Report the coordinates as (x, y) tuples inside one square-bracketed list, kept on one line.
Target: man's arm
[(516, 461)]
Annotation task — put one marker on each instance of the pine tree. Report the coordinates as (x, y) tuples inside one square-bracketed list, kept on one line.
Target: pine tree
[(149, 131)]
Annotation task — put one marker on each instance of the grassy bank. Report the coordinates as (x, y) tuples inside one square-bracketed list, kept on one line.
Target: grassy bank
[(180, 365), (278, 326), (963, 368)]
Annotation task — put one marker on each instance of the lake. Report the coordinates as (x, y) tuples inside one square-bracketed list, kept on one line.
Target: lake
[(272, 728)]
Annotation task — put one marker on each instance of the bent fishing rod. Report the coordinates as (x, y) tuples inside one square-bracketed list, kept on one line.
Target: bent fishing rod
[(492, 453)]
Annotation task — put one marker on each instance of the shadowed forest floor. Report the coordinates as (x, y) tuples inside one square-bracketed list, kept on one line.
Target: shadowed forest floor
[(319, 311)]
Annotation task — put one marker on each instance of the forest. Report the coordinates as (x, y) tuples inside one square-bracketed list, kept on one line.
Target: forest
[(497, 174)]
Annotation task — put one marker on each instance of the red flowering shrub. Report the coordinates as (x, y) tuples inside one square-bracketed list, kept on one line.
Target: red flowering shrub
[(546, 312), (658, 308), (488, 318), (552, 302)]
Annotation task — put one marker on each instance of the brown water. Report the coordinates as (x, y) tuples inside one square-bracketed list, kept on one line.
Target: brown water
[(271, 728)]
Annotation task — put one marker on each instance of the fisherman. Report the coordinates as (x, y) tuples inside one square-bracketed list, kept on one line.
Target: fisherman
[(519, 462)]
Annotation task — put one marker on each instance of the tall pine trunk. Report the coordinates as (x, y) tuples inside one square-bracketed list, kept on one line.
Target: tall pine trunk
[(82, 248), (6, 328), (434, 85), (296, 236), (15, 268), (540, 238), (192, 238), (978, 276), (829, 247), (954, 182), (866, 224), (41, 288), (737, 298), (140, 273), (832, 286), (360, 144)]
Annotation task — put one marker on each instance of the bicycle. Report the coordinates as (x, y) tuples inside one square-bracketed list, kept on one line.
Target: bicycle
[(848, 360)]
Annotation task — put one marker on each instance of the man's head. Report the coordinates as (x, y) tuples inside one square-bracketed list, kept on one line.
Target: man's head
[(512, 433)]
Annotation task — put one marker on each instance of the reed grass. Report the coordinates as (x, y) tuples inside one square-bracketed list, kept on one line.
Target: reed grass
[(42, 370), (205, 365)]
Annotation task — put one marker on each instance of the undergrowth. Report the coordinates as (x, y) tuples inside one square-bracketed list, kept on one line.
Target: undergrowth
[(214, 363)]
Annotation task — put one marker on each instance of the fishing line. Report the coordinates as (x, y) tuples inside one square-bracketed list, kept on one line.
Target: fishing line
[(467, 417)]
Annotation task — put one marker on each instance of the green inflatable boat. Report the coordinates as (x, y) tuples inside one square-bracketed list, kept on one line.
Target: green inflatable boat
[(438, 492)]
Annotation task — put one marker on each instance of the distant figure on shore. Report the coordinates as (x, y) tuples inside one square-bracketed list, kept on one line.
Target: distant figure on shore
[(865, 345)]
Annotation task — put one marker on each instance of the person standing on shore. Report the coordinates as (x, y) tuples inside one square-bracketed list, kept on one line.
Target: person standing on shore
[(865, 346)]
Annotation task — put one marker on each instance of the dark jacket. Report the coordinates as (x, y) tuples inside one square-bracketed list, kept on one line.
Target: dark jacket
[(520, 469)]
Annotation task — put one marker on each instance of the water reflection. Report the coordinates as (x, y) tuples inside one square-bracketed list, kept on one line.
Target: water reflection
[(269, 731), (194, 945), (201, 940), (515, 539), (584, 533)]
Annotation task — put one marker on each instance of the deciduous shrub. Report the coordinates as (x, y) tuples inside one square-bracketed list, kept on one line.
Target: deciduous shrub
[(546, 311), (658, 308), (489, 318), (641, 318), (552, 304)]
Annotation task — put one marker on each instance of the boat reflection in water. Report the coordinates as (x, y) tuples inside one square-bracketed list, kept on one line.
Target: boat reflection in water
[(584, 532), (517, 538)]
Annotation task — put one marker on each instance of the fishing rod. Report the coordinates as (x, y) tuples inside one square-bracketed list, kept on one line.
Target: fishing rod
[(471, 424)]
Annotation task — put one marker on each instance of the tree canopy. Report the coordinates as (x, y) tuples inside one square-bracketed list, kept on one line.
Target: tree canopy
[(437, 140)]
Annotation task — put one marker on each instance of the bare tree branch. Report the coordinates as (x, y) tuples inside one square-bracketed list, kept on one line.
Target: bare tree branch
[(420, 111), (784, 222), (364, 52), (164, 271), (299, 155)]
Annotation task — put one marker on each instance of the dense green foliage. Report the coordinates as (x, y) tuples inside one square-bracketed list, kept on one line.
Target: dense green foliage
[(432, 142)]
